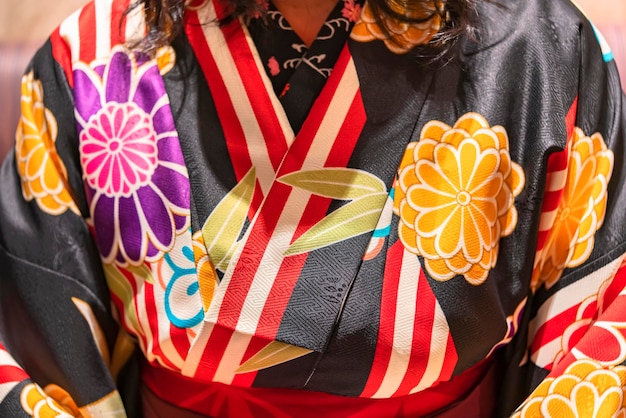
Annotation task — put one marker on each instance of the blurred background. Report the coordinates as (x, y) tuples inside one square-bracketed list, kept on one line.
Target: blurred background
[(25, 24), (33, 20)]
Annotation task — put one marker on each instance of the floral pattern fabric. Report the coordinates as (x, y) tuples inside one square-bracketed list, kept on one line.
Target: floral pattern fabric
[(41, 170), (586, 389), (138, 188), (455, 197), (400, 37), (353, 228), (582, 209)]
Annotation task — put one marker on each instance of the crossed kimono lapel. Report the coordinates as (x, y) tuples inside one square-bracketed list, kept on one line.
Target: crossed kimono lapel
[(292, 185)]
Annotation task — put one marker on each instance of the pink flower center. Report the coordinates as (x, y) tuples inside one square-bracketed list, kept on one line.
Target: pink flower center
[(118, 149)]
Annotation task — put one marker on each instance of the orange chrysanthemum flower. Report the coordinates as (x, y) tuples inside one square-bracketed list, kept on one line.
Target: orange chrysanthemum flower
[(38, 404), (586, 389), (454, 196), (42, 172), (399, 37), (581, 210)]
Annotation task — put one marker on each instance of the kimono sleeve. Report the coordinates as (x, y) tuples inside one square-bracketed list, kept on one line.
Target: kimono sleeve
[(577, 337), (58, 352)]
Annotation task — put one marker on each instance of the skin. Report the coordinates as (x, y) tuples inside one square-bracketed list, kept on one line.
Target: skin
[(306, 17)]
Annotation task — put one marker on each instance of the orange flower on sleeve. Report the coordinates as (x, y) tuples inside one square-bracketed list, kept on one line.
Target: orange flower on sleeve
[(400, 37), (42, 172), (581, 209), (38, 404), (586, 389)]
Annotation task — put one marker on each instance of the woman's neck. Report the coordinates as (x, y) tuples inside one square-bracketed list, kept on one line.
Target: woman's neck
[(305, 17)]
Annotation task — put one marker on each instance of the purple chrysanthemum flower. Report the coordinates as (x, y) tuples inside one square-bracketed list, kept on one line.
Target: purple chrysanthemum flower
[(133, 166)]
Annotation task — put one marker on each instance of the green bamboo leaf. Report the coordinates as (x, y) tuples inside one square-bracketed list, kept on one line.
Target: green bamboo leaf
[(357, 217), (336, 183), (142, 271), (223, 227), (272, 354), (118, 284)]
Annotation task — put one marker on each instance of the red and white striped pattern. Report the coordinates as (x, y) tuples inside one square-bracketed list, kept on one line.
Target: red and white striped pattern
[(255, 302), (555, 183), (580, 302), (89, 33), (10, 373), (255, 125), (415, 348)]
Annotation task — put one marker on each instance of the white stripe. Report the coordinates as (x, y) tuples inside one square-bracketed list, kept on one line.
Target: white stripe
[(7, 360), (547, 220), (69, 31), (197, 349), (140, 305), (573, 295), (236, 349), (283, 233), (135, 25), (278, 107), (403, 327), (547, 353), (437, 352), (5, 389), (243, 108), (296, 202), (103, 28), (556, 180)]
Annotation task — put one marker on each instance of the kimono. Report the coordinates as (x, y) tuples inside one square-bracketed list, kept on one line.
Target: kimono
[(241, 226)]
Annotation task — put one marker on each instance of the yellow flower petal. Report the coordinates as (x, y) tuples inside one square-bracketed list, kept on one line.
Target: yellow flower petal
[(42, 172), (460, 201), (581, 210)]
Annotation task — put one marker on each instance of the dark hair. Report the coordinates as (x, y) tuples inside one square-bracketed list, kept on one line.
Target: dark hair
[(164, 18)]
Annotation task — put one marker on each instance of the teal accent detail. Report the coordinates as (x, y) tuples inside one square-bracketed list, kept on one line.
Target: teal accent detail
[(607, 54), (382, 233), (191, 290)]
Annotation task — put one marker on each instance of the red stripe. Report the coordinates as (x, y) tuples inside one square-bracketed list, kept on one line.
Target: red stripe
[(121, 307), (553, 328), (388, 305), (180, 340), (213, 352), (615, 314), (316, 209), (449, 363), (153, 320), (596, 340), (250, 258), (300, 148), (557, 161), (258, 96), (265, 225), (247, 379), (10, 374), (570, 118), (618, 284), (422, 336), (551, 200), (87, 25), (541, 239), (118, 21), (233, 131), (62, 54)]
